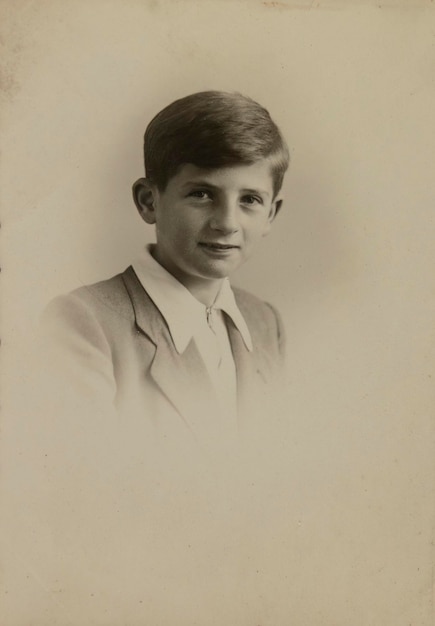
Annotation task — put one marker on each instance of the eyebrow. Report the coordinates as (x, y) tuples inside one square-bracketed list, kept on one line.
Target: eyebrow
[(262, 192), (199, 183), (204, 183)]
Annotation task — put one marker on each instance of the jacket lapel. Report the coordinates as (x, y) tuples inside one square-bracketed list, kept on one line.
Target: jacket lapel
[(182, 378)]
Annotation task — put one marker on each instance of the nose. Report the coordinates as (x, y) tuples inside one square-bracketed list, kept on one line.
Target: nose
[(224, 218)]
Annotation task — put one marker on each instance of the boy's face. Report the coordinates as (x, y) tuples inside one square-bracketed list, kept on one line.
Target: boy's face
[(208, 221)]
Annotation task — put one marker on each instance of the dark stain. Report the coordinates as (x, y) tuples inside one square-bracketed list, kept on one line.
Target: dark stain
[(9, 86)]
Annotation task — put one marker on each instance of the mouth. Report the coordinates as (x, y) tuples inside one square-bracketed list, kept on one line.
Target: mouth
[(217, 246)]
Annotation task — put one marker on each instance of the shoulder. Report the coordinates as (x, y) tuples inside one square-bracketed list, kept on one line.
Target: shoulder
[(103, 300), (263, 320), (98, 309), (267, 331), (109, 293)]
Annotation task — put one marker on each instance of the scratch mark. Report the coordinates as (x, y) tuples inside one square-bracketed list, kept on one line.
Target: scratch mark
[(275, 5)]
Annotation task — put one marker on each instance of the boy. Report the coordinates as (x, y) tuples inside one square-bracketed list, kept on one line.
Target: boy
[(178, 352)]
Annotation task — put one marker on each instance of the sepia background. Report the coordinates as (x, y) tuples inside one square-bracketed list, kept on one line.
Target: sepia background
[(350, 263)]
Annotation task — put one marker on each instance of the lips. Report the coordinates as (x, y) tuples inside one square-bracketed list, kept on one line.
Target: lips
[(217, 246)]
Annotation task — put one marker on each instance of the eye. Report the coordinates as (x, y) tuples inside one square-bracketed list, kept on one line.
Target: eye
[(201, 194), (252, 200)]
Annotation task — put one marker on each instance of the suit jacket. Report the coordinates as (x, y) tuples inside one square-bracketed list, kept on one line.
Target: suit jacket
[(109, 346), (140, 498)]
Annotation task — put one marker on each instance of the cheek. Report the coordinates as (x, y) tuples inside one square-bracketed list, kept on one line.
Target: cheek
[(179, 234), (258, 229), (166, 234)]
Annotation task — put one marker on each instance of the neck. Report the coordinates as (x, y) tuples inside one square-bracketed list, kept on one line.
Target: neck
[(203, 289), (204, 293)]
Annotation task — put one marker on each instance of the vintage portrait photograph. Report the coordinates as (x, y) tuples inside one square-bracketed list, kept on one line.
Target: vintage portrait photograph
[(217, 355)]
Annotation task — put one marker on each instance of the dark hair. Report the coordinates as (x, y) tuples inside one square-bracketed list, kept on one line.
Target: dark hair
[(212, 129)]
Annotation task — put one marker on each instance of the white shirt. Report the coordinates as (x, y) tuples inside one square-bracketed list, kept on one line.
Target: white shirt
[(188, 319)]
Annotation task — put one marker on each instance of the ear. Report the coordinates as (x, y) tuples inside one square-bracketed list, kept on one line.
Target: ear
[(278, 204), (144, 195), (274, 209)]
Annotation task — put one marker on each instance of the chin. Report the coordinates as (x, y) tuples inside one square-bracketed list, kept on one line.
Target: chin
[(214, 275), (219, 272)]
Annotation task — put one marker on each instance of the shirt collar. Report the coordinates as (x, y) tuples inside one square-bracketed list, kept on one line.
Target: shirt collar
[(181, 310)]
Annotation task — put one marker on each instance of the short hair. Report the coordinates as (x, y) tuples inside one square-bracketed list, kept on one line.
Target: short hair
[(212, 129)]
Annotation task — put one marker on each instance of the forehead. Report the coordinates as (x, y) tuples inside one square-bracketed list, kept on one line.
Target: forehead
[(257, 175)]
